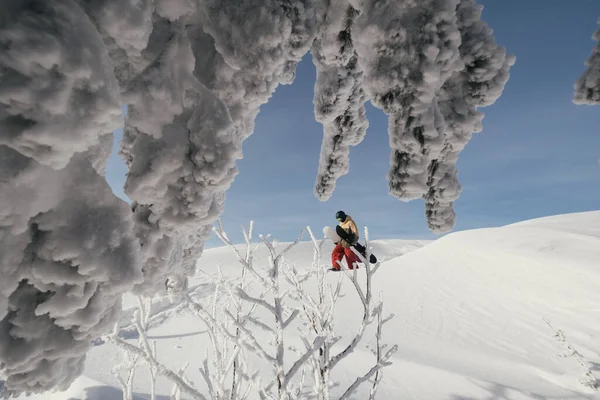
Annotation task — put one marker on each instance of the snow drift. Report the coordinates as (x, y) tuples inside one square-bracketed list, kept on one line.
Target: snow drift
[(469, 314)]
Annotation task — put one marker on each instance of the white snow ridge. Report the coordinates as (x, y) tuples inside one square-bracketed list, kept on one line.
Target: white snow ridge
[(193, 75), (490, 313)]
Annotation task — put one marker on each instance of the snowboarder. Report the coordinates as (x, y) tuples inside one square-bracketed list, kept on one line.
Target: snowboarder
[(343, 247)]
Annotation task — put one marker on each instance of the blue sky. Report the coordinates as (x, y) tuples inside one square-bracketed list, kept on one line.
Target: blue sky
[(537, 155)]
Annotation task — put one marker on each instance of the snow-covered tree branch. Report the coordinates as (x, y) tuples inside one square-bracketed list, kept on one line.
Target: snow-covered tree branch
[(587, 378), (193, 76), (279, 299), (319, 314), (143, 351), (67, 248), (339, 95), (412, 55), (587, 87), (479, 84), (279, 387)]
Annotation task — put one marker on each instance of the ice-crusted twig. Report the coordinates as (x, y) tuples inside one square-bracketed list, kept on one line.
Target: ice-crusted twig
[(141, 322), (588, 379), (587, 87), (141, 318), (245, 296), (225, 372), (378, 351), (246, 340), (290, 319), (222, 361), (162, 370), (260, 324), (382, 363), (318, 314), (153, 373), (365, 298), (278, 312), (225, 375), (143, 351), (281, 387), (317, 343), (382, 360), (176, 391), (244, 261), (130, 367)]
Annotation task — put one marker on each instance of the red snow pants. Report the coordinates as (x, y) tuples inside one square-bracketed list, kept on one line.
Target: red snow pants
[(338, 254)]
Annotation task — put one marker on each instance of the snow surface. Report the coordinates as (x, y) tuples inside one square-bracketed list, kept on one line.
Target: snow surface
[(468, 308)]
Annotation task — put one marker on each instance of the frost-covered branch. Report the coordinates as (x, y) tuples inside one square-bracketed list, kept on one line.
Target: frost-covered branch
[(228, 346), (67, 247), (383, 362), (365, 297), (407, 74), (143, 351), (479, 84), (230, 320), (162, 370), (378, 351), (193, 76), (588, 379), (587, 87), (130, 367), (244, 261), (208, 68), (222, 360), (260, 324), (318, 314), (176, 391), (369, 313), (339, 96), (246, 340), (245, 296), (281, 387), (290, 319), (300, 363)]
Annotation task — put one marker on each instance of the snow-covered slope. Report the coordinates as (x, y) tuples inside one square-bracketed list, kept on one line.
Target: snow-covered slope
[(302, 254), (469, 312)]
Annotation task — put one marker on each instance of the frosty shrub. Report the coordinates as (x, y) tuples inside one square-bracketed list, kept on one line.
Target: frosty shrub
[(249, 322), (587, 376)]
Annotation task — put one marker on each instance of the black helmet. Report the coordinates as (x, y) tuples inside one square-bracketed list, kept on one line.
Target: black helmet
[(340, 216)]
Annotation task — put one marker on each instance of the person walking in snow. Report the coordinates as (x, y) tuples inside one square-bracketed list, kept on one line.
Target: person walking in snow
[(343, 247)]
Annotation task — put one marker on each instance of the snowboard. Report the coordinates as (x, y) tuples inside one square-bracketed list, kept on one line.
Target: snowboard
[(339, 233)]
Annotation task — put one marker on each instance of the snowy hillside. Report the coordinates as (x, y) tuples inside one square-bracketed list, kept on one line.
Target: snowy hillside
[(469, 317)]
